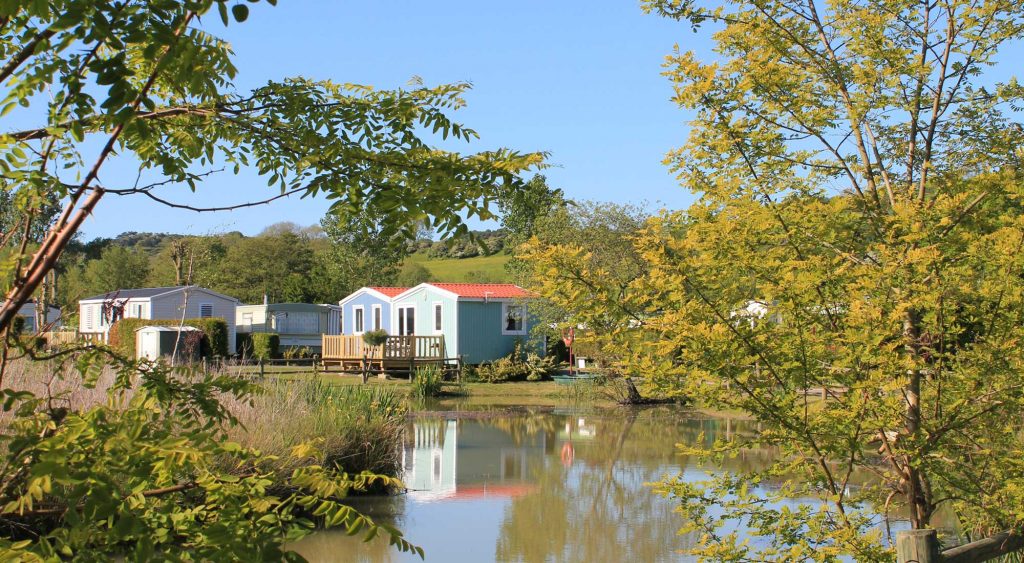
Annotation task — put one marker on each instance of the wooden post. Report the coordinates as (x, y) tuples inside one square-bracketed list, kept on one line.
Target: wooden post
[(261, 368), (917, 546)]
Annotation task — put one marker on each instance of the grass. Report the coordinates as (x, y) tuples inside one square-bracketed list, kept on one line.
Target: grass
[(355, 428), (492, 268), (473, 394)]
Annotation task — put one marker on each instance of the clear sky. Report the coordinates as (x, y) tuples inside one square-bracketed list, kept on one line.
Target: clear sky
[(580, 79)]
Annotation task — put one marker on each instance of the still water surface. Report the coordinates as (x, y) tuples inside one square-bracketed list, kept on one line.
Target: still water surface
[(538, 485)]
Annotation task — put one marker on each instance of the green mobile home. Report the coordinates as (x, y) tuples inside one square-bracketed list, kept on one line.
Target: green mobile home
[(479, 322)]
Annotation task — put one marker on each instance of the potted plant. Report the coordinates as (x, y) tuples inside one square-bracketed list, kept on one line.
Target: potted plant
[(372, 339)]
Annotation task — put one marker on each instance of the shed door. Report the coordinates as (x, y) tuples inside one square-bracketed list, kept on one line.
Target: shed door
[(406, 321)]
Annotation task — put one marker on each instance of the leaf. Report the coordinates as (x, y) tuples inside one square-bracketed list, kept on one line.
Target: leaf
[(240, 12)]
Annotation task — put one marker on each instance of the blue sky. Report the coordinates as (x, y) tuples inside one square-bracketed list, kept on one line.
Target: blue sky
[(580, 79)]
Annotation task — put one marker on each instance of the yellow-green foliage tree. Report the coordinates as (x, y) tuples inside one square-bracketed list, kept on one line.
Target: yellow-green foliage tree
[(860, 179), (858, 231), (150, 473)]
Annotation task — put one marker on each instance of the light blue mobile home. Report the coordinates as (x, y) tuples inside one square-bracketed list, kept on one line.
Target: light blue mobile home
[(368, 308), (479, 322)]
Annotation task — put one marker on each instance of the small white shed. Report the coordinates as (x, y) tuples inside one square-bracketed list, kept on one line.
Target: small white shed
[(155, 342)]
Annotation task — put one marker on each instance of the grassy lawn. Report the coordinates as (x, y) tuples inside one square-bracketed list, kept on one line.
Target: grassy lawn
[(480, 268), (477, 395)]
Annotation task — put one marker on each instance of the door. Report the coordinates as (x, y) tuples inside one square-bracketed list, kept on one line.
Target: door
[(407, 320)]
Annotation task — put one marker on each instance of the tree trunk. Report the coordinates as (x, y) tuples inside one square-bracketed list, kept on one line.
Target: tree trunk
[(915, 485), (633, 396)]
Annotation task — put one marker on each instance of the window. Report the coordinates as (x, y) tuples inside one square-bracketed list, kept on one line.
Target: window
[(437, 317), (357, 320), (88, 317), (137, 310), (205, 310), (406, 321), (376, 317), (512, 319), (247, 319)]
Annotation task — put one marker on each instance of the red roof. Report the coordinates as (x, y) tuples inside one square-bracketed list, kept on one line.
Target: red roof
[(485, 290), (389, 291)]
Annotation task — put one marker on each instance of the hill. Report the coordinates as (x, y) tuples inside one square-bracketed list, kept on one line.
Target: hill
[(482, 269)]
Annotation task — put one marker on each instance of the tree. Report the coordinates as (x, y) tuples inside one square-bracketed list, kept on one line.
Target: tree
[(271, 265), (361, 256), (584, 264), (413, 274), (117, 268), (520, 212), (859, 181), (145, 82)]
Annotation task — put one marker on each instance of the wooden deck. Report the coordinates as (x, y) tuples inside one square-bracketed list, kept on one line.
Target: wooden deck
[(399, 354)]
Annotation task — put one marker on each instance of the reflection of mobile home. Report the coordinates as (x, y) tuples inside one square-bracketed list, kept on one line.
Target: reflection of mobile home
[(430, 464), (469, 458)]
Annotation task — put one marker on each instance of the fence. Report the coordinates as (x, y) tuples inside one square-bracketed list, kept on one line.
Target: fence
[(922, 546)]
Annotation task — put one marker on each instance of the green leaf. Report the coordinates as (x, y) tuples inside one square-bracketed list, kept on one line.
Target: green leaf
[(240, 11)]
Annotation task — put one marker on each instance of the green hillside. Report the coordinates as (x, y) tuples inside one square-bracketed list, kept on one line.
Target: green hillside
[(484, 269)]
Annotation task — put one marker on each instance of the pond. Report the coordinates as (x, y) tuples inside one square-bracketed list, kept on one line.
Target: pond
[(538, 485)]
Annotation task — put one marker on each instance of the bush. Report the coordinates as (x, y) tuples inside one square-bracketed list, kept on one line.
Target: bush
[(18, 325), (502, 370), (264, 345), (215, 332), (152, 455), (297, 352), (514, 368), (375, 337), (540, 368)]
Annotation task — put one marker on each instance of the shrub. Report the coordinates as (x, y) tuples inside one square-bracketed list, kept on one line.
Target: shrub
[(540, 368), (152, 455), (18, 325), (375, 337), (215, 331), (297, 352), (514, 368), (503, 369), (264, 345)]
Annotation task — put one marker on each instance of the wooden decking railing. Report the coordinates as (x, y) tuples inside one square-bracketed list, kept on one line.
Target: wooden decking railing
[(397, 351)]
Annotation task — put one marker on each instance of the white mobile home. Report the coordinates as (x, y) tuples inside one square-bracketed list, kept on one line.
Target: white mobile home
[(297, 324), (98, 313)]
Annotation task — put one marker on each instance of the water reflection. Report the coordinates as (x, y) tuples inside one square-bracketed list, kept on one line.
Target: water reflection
[(538, 486)]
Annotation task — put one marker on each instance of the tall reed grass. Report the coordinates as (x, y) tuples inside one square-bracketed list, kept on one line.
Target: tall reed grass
[(355, 428)]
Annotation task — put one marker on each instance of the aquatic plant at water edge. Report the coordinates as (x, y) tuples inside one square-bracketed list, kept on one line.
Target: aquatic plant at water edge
[(427, 381)]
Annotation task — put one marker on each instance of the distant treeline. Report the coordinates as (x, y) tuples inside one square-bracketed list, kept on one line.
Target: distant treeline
[(285, 262)]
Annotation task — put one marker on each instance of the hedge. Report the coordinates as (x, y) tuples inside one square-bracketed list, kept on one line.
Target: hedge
[(262, 345), (215, 343), (18, 325)]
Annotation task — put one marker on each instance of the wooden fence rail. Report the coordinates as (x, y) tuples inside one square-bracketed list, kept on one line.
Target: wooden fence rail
[(922, 546)]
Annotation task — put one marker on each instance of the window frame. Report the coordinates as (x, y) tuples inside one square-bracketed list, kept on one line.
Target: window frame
[(505, 307), (438, 308), (377, 321), (358, 319), (401, 320), (205, 305)]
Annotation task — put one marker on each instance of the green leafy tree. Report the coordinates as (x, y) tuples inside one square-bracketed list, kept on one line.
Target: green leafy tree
[(117, 268), (521, 210), (413, 274), (361, 256), (583, 261), (858, 233), (145, 82)]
